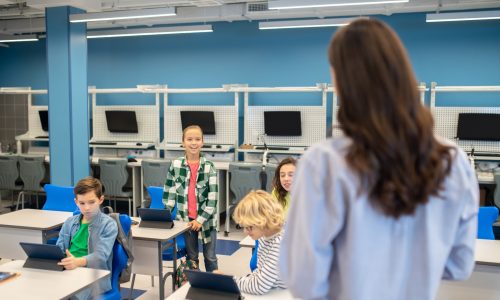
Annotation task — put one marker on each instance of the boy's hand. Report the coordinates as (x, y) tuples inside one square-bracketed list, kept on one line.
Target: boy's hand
[(194, 225), (71, 262)]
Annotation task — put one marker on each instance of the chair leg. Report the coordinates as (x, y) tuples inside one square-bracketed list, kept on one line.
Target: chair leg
[(19, 197), (114, 200), (36, 200), (131, 286), (130, 206), (152, 281)]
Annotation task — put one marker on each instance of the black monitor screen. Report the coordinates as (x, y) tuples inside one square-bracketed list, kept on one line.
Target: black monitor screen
[(481, 127), (282, 123), (44, 119), (204, 119), (121, 121)]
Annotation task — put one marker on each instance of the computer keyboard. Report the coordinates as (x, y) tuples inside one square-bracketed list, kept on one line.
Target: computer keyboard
[(103, 143), (271, 148), (485, 176), (42, 137)]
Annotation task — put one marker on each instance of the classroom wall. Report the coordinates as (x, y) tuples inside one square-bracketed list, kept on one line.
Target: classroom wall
[(455, 53)]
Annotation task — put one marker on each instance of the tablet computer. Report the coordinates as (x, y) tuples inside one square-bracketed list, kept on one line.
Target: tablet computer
[(206, 285), (155, 218), (42, 256)]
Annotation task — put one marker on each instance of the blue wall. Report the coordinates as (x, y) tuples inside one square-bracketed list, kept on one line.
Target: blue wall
[(460, 53)]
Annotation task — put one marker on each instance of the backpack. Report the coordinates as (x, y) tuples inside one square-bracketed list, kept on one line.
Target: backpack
[(185, 264), (125, 241)]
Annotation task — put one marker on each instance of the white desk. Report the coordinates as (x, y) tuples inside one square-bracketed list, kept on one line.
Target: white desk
[(484, 283), (44, 284), (273, 294), (27, 225), (148, 247), (247, 242)]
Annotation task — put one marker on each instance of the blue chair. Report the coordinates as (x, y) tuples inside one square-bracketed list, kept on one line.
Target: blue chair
[(253, 260), (486, 217), (59, 198), (120, 259), (156, 195)]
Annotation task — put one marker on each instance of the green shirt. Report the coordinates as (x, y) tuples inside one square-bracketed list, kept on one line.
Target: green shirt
[(287, 201), (80, 242)]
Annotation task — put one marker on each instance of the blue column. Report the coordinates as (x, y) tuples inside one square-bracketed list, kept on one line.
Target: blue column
[(68, 96)]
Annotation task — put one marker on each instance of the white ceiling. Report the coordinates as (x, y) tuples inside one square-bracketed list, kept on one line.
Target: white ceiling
[(18, 17)]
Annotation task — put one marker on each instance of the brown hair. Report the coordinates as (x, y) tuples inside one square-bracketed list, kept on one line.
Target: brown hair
[(277, 182), (191, 127), (88, 184), (258, 208), (393, 149)]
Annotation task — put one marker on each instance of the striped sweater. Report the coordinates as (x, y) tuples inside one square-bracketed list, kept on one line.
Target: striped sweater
[(266, 276)]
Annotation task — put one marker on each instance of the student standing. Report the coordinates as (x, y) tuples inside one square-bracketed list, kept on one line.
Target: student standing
[(388, 210), (262, 218), (88, 238), (192, 185)]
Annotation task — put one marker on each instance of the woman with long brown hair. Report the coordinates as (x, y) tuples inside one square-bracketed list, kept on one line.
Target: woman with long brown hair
[(389, 209), (282, 182)]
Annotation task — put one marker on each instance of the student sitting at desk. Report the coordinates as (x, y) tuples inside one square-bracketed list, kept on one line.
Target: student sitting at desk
[(88, 238), (192, 185), (262, 218), (282, 184)]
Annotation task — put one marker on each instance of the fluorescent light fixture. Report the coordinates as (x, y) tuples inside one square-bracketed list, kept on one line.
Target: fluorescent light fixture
[(292, 4), (305, 23), (18, 38), (123, 15), (464, 16), (148, 31)]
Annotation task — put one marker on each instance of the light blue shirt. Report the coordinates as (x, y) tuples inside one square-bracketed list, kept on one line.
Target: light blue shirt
[(337, 246)]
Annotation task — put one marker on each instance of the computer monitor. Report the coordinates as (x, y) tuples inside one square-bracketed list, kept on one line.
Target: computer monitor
[(282, 123), (477, 126), (44, 119), (121, 121), (204, 119)]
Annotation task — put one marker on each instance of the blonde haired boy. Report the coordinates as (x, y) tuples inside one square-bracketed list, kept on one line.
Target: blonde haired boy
[(262, 217)]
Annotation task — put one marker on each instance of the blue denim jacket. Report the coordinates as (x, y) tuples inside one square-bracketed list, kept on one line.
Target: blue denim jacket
[(102, 236)]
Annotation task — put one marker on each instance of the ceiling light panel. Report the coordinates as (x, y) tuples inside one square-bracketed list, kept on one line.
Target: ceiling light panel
[(296, 4), (123, 15)]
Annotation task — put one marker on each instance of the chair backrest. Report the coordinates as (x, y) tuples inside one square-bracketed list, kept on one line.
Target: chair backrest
[(156, 194), (60, 198), (31, 171), (8, 172), (270, 170), (113, 175), (154, 172), (244, 178), (120, 257), (486, 217), (496, 196)]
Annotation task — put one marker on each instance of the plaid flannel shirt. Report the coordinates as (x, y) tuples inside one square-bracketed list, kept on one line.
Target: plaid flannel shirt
[(176, 190)]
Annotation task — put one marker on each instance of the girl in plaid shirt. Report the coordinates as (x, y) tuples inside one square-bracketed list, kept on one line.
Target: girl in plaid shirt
[(192, 184)]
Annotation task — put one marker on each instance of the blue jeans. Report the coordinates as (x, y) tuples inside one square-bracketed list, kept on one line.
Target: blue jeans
[(191, 238)]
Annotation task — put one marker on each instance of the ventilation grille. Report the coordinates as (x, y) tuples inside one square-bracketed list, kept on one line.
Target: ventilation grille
[(259, 6)]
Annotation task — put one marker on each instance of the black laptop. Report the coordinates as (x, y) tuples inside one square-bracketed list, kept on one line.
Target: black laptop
[(211, 286), (155, 218), (42, 256)]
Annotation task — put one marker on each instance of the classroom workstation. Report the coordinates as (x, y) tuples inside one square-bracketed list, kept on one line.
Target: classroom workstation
[(276, 149)]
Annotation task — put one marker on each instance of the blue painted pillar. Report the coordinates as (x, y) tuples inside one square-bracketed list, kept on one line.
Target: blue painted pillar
[(68, 94)]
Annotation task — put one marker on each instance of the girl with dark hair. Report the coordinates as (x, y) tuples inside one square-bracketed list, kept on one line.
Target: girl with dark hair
[(282, 182), (389, 209)]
